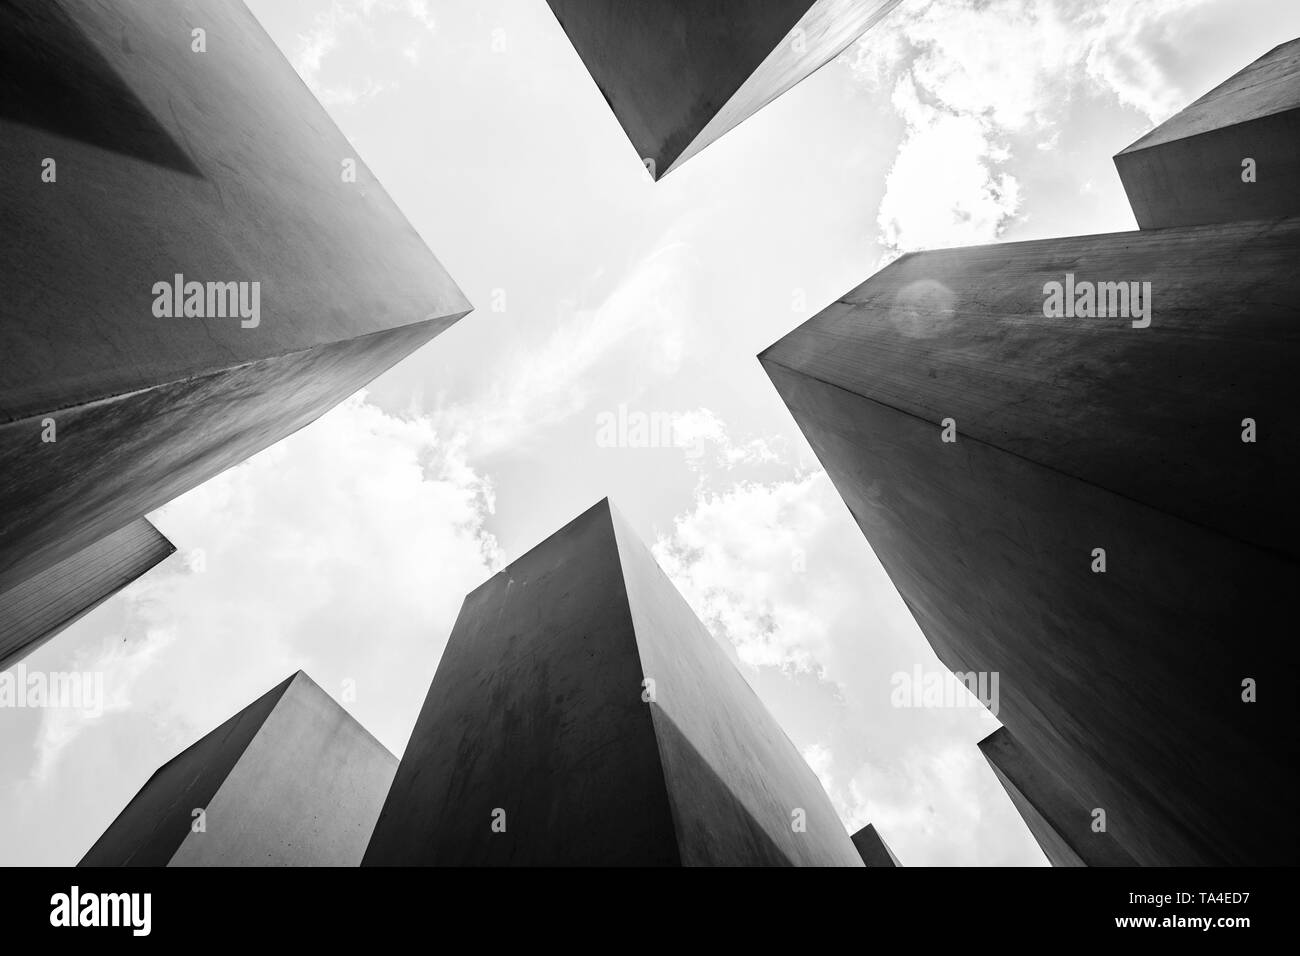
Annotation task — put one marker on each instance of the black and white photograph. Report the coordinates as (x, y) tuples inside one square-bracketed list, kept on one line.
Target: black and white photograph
[(585, 434)]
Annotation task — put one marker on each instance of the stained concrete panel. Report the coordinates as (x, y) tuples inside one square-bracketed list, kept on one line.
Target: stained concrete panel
[(40, 607), (873, 849), (1074, 434), (1065, 828), (219, 166), (679, 75), (291, 780), (536, 710), (1188, 170)]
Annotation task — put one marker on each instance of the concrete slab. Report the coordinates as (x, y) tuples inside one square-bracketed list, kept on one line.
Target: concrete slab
[(679, 75), (217, 166), (873, 849), (1062, 823), (40, 607), (1073, 434), (536, 721), (1189, 169), (290, 780)]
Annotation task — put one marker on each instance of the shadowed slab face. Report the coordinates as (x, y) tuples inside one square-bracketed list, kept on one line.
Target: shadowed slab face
[(584, 709), (52, 77), (1069, 435), (1228, 157), (290, 780), (667, 67), (112, 400), (44, 604)]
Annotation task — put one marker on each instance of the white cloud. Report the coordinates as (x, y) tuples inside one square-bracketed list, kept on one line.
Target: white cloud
[(344, 550), (969, 75)]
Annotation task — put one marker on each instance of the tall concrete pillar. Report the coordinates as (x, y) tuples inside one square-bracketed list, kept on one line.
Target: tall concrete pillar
[(1100, 507), (873, 849), (582, 715), (1068, 828), (680, 73), (197, 263), (40, 607), (1232, 155), (290, 780)]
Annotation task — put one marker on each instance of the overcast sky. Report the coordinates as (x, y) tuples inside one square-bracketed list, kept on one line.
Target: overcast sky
[(346, 549)]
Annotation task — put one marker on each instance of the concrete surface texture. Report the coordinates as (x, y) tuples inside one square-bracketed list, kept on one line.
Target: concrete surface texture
[(1073, 434), (680, 74), (535, 745), (873, 849), (290, 780), (40, 607), (1189, 170), (1066, 829), (217, 166)]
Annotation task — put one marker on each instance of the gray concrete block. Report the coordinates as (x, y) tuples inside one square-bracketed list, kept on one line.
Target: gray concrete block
[(290, 780), (873, 849), (678, 75), (219, 167), (1062, 823), (1189, 170), (39, 608), (536, 720), (1074, 434)]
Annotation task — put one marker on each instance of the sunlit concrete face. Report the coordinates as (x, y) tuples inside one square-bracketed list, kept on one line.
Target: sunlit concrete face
[(678, 75), (1070, 832), (290, 780), (1230, 156), (136, 151), (582, 715), (1073, 434), (43, 605)]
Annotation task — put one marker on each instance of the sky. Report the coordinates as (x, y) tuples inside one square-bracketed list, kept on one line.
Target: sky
[(346, 549)]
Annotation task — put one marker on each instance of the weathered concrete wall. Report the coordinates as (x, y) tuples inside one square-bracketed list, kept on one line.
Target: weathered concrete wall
[(1074, 434), (679, 75), (158, 819), (736, 783), (219, 166), (824, 32), (306, 791), (536, 709), (873, 849), (1065, 828), (40, 607), (1188, 170), (291, 780)]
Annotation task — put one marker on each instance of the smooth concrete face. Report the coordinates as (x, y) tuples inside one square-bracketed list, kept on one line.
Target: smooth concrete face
[(679, 75), (306, 791), (40, 607), (156, 822), (1074, 435), (537, 710), (825, 31), (219, 166), (1188, 170), (1153, 414), (873, 849), (1066, 829), (735, 781), (291, 780)]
